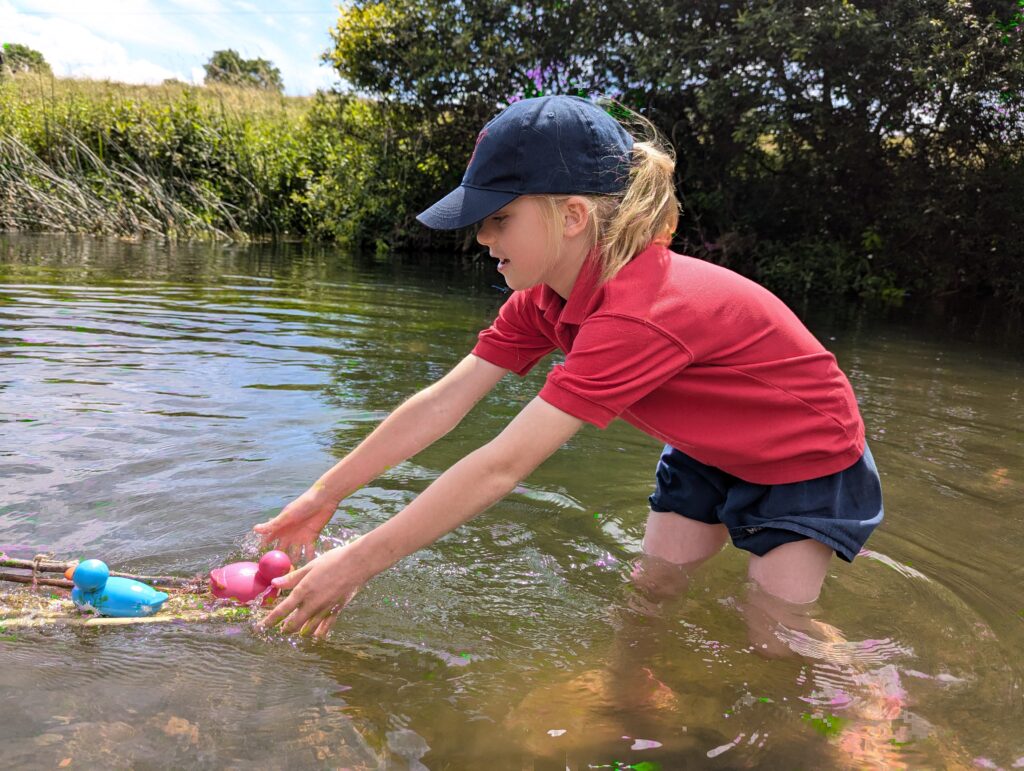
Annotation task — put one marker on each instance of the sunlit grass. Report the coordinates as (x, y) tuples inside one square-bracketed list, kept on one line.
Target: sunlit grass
[(174, 160)]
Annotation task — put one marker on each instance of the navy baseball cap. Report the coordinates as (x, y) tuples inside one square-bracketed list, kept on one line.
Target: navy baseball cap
[(546, 145)]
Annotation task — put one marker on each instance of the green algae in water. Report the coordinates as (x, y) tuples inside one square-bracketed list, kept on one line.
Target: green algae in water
[(829, 725)]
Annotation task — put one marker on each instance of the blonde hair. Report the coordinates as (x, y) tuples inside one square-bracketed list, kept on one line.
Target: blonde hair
[(646, 210)]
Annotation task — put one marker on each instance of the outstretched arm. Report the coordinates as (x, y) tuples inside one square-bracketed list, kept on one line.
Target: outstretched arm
[(325, 585), (416, 424)]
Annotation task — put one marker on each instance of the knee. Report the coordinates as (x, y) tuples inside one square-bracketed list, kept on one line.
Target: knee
[(657, 579)]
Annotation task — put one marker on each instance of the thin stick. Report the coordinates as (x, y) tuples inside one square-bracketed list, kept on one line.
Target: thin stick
[(53, 566), (41, 565), (20, 579)]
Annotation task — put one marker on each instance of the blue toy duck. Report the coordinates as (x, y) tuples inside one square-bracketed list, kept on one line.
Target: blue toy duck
[(118, 597)]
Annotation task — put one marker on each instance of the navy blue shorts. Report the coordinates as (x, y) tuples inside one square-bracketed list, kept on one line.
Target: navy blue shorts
[(839, 510)]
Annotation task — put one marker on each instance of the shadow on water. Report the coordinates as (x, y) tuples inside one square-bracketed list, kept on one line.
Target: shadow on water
[(155, 402)]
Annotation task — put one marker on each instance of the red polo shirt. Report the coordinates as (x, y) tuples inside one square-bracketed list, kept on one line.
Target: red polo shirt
[(694, 355)]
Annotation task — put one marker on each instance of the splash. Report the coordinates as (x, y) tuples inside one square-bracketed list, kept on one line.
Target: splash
[(899, 567)]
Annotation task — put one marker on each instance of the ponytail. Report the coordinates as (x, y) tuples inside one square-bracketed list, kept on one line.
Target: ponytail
[(647, 209)]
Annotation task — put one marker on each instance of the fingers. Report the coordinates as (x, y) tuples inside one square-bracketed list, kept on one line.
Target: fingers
[(265, 531), (289, 603), (269, 532), (325, 625), (312, 624), (311, 608), (291, 580), (282, 609), (303, 620), (298, 552), (320, 624)]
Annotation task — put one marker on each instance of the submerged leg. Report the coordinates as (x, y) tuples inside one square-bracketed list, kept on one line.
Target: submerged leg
[(673, 547), (850, 682), (787, 580)]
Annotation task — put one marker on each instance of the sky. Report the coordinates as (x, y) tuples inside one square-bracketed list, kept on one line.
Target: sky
[(146, 41)]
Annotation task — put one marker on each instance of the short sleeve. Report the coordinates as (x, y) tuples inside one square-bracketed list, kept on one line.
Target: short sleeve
[(516, 340), (614, 362)]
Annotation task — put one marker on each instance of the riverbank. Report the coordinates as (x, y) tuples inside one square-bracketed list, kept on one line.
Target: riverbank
[(182, 162), (175, 161), (186, 162)]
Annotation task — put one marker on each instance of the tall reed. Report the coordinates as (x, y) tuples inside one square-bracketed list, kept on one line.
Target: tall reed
[(175, 160)]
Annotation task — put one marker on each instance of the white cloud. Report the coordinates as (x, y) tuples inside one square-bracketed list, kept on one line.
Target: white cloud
[(72, 49), (124, 21), (309, 80), (146, 41), (141, 71)]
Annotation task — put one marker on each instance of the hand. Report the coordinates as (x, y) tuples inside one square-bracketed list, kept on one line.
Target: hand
[(319, 591), (299, 524)]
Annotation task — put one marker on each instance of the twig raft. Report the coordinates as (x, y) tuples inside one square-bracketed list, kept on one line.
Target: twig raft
[(31, 609), (43, 564)]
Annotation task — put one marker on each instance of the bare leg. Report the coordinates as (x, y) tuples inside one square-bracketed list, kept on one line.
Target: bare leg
[(792, 572), (673, 546), (680, 540)]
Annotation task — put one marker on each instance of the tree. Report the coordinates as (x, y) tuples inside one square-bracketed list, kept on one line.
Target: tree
[(20, 58), (231, 69), (841, 145)]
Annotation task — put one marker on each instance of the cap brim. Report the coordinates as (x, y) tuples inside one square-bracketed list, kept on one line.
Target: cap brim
[(464, 206)]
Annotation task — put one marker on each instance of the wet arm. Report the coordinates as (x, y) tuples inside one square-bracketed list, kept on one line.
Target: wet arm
[(325, 585), (473, 484), (417, 423)]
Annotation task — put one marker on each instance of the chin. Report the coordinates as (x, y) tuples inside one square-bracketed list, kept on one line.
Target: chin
[(519, 286)]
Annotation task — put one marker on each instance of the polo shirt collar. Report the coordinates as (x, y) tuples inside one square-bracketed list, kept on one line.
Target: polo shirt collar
[(581, 298), (586, 294)]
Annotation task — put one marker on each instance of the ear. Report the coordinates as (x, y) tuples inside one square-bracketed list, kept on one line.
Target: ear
[(576, 214)]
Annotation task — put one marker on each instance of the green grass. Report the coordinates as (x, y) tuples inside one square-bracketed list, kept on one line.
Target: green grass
[(175, 160)]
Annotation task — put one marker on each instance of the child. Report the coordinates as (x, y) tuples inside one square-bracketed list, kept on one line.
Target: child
[(764, 442)]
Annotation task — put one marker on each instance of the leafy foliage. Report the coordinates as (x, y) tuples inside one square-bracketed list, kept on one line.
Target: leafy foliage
[(229, 68), (20, 58), (864, 147), (870, 147), (175, 160)]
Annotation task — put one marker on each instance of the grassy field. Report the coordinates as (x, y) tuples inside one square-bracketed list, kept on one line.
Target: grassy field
[(175, 160)]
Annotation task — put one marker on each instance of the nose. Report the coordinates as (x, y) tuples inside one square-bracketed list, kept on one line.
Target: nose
[(483, 235)]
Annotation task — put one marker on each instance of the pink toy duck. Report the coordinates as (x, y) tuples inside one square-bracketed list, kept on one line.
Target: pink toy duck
[(245, 581)]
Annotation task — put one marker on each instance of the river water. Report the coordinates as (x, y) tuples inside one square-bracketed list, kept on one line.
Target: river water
[(157, 402)]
